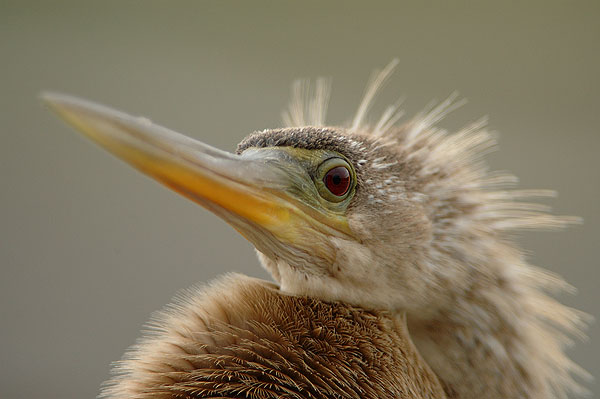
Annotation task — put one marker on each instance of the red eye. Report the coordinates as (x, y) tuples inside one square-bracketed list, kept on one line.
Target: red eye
[(337, 180)]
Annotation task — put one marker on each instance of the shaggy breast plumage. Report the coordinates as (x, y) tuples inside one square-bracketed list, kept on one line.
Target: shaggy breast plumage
[(243, 338)]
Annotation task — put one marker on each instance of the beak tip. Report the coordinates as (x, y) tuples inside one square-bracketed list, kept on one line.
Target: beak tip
[(80, 114), (56, 102), (75, 111), (50, 98)]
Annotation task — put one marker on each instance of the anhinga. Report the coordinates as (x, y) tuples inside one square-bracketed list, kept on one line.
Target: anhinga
[(396, 274)]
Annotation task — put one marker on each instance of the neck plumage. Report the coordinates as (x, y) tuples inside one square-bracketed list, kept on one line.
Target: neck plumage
[(501, 337)]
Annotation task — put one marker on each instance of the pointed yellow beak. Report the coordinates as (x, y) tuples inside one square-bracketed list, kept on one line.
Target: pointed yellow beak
[(248, 191)]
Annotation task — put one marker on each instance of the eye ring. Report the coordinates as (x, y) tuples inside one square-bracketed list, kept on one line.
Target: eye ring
[(335, 179)]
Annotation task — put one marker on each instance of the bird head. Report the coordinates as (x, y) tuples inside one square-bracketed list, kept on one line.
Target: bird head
[(360, 222), (381, 216)]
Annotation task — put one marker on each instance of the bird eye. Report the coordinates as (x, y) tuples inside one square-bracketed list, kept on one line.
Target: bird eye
[(337, 180)]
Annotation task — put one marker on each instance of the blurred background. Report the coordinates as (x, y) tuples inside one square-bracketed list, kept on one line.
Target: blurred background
[(89, 247)]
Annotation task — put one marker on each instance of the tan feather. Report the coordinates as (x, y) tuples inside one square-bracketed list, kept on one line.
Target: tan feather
[(243, 338)]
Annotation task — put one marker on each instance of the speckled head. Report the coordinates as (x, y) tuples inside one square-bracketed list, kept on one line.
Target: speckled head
[(386, 216)]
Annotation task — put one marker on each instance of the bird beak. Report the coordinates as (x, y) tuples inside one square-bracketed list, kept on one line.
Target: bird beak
[(249, 191)]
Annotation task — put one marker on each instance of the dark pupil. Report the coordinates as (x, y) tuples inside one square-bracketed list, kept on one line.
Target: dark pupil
[(337, 180)]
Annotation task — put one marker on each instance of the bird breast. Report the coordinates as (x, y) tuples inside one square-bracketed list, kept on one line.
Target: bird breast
[(242, 338)]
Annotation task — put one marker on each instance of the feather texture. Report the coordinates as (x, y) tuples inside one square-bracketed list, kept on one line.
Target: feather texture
[(242, 338)]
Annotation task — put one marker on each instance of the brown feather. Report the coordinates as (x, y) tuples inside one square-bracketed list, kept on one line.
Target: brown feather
[(243, 338)]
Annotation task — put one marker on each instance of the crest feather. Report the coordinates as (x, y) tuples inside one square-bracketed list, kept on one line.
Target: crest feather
[(307, 107), (377, 81)]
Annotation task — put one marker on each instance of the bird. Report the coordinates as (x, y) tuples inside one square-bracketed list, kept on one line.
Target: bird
[(392, 248)]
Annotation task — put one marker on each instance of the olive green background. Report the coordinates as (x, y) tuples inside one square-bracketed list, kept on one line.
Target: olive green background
[(89, 247)]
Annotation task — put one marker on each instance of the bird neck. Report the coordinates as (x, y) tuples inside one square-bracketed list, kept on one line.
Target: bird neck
[(471, 357), (489, 342), (485, 328)]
